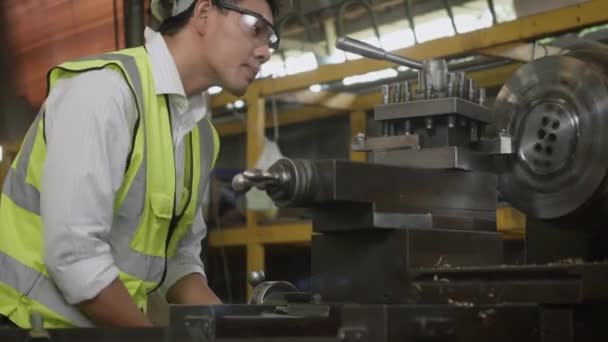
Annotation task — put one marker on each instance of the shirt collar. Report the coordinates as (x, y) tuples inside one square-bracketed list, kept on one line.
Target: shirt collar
[(164, 70)]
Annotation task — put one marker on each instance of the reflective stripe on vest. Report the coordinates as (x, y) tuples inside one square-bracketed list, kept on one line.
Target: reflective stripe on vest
[(15, 186), (39, 288), (134, 265)]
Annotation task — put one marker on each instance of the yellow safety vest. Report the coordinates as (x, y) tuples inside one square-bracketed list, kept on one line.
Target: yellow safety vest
[(147, 225)]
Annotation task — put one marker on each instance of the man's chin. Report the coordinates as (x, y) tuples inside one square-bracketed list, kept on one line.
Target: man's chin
[(236, 91)]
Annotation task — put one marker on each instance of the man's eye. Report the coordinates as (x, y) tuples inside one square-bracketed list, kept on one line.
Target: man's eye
[(256, 29)]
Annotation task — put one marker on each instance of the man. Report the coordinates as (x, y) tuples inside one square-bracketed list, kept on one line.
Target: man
[(102, 205)]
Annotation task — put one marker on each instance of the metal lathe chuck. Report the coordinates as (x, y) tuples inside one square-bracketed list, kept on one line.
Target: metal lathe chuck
[(556, 109)]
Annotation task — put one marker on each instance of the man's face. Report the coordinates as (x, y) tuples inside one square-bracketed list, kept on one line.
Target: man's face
[(239, 48)]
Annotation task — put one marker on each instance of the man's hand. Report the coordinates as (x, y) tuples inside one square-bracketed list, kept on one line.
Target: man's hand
[(192, 289), (114, 307)]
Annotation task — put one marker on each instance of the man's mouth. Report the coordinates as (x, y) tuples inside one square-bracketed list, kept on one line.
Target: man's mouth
[(253, 71)]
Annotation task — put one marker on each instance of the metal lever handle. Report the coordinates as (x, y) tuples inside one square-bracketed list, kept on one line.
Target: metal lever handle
[(260, 179), (366, 50)]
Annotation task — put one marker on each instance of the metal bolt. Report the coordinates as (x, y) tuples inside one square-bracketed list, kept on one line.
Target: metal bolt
[(474, 131), (451, 121), (406, 92), (395, 93), (385, 128), (391, 128), (452, 84), (428, 122), (360, 137), (471, 89), (421, 81), (316, 299), (482, 96), (385, 94), (461, 83), (407, 127), (429, 92)]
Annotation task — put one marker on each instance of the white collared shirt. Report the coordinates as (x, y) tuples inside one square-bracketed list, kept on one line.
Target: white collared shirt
[(89, 123)]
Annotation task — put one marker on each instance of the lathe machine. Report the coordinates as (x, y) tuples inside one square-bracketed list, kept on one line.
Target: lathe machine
[(405, 246)]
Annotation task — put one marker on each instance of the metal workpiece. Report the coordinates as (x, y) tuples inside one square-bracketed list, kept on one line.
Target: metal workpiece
[(361, 48), (442, 106), (286, 181), (257, 178), (556, 108)]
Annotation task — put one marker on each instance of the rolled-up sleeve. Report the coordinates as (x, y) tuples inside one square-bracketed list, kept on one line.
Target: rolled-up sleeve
[(88, 122), (187, 257)]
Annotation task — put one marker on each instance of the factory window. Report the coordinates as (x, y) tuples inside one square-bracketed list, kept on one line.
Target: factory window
[(470, 16), (274, 67), (398, 39), (297, 63)]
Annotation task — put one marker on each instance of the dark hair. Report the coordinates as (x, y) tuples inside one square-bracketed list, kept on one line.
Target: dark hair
[(172, 25)]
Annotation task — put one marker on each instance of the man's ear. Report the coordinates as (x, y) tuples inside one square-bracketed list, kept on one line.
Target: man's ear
[(201, 13)]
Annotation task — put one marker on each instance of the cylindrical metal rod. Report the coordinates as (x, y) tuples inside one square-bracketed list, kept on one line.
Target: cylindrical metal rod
[(134, 22), (370, 51)]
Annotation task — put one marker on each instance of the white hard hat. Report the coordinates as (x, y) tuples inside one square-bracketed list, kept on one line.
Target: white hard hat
[(163, 9)]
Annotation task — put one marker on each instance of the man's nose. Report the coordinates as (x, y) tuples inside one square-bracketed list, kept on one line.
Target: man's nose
[(262, 53)]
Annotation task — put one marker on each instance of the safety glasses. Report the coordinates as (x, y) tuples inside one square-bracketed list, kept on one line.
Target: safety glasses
[(259, 29)]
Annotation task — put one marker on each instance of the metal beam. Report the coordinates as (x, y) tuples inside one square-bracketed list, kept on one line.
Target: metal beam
[(255, 144), (532, 27), (293, 116), (522, 52), (273, 234)]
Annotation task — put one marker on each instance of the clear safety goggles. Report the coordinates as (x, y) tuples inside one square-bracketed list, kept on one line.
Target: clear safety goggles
[(259, 28)]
